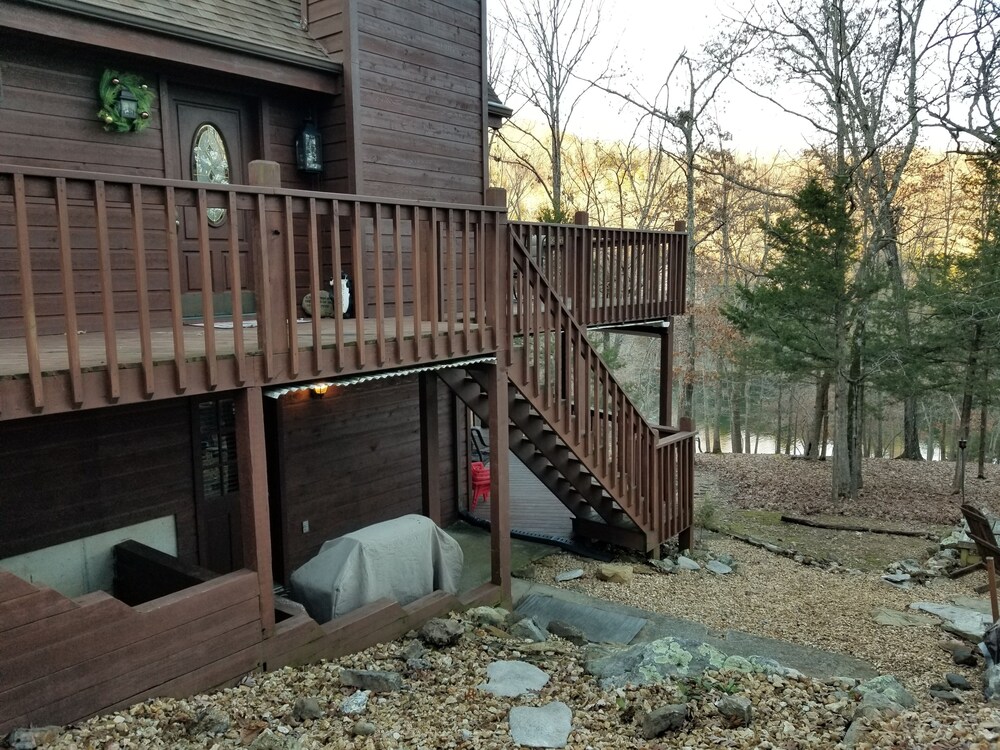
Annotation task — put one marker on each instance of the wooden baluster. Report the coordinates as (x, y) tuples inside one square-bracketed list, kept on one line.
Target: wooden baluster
[(170, 221), (359, 286), (314, 287), (107, 291), (291, 291), (28, 293), (207, 303), (236, 290), (466, 283), (336, 263), (69, 293), (418, 281), (451, 283), (400, 310), (142, 290), (379, 286)]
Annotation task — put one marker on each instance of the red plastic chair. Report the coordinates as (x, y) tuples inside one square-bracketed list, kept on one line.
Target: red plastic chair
[(480, 483)]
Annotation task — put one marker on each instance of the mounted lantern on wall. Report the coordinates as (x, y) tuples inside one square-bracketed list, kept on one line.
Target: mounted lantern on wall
[(309, 148), (126, 101)]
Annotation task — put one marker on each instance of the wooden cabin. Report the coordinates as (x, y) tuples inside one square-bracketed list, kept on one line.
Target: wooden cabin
[(178, 431)]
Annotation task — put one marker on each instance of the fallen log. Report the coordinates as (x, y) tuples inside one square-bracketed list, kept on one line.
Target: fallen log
[(851, 527)]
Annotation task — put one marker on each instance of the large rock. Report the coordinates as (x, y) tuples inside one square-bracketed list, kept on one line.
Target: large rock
[(957, 681), (615, 573), (547, 726), (268, 740), (737, 710), (885, 616), (889, 687), (569, 575), (664, 719), (567, 632), (440, 632), (962, 621), (513, 678), (495, 616), (653, 662), (686, 563), (307, 708), (30, 738), (529, 630), (719, 568), (991, 683), (373, 680), (211, 721), (664, 566), (355, 703)]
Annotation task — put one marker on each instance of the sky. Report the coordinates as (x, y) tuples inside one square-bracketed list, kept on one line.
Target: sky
[(642, 39)]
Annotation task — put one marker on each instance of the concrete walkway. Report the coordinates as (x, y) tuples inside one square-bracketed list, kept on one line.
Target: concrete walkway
[(813, 662)]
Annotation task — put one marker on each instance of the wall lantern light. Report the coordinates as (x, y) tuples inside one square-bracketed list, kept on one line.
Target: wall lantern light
[(309, 148), (319, 390), (128, 105)]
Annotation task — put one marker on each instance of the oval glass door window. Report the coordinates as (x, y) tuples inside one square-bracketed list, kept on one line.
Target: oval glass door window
[(210, 163)]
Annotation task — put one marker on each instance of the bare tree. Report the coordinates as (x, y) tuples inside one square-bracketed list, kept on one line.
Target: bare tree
[(547, 43), (969, 104), (860, 62)]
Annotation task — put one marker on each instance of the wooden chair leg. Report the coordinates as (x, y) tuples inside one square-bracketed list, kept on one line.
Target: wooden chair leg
[(991, 575)]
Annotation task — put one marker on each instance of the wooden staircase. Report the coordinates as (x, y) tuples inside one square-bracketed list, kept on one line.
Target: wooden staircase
[(573, 426)]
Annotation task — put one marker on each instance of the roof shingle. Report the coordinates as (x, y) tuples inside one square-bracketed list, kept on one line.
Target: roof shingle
[(268, 28)]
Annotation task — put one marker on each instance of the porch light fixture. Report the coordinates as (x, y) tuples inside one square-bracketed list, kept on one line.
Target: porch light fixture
[(128, 105), (319, 390), (309, 148)]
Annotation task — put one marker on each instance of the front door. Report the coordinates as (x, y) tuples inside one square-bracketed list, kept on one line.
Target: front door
[(215, 140)]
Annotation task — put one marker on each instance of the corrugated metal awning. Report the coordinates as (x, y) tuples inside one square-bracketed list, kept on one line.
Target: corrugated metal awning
[(380, 375)]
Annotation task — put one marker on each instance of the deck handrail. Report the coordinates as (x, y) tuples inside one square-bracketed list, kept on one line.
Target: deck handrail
[(104, 271), (555, 368), (610, 276)]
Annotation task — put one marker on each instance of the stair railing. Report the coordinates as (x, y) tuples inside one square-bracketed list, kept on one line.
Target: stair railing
[(554, 366)]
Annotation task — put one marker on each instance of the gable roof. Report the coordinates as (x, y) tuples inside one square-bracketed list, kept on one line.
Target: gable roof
[(265, 28)]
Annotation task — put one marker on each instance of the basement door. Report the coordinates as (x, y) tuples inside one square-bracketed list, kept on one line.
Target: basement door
[(217, 484), (215, 141)]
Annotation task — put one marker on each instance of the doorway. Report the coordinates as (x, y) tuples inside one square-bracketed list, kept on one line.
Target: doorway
[(215, 139)]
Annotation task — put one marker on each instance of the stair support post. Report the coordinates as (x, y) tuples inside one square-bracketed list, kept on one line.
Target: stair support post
[(430, 483), (499, 478), (667, 373)]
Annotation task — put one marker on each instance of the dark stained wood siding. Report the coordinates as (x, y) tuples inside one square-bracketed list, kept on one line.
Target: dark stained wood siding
[(327, 25), (350, 460), (70, 476), (420, 115), (48, 111)]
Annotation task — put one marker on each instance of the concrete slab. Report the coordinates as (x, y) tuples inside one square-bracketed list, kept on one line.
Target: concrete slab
[(597, 625), (475, 545)]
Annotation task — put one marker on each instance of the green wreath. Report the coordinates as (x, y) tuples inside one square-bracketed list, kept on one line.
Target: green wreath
[(111, 87)]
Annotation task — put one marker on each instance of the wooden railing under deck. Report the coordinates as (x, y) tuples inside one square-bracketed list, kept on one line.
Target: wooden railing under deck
[(554, 366), (610, 276), (100, 275)]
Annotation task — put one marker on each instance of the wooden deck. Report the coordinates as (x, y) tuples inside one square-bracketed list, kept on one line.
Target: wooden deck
[(128, 345)]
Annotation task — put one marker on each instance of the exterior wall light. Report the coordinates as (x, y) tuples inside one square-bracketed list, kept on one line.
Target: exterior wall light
[(309, 148), (319, 390), (128, 105)]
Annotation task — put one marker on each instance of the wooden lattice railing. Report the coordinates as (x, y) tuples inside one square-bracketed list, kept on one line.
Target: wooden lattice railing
[(646, 470)]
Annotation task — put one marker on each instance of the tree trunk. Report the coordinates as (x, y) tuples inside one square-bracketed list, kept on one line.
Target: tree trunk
[(820, 408), (825, 435), (944, 440), (911, 430), (984, 409), (777, 432), (717, 437), (965, 416), (791, 436), (746, 415), (736, 427)]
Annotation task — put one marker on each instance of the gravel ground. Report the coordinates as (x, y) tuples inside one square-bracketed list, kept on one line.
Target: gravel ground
[(767, 595), (441, 707)]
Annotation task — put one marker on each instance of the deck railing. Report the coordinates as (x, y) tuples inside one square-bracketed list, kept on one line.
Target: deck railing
[(610, 276), (554, 366), (201, 286)]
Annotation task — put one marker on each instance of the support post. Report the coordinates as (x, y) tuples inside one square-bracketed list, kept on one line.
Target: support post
[(269, 270), (498, 285), (581, 269), (667, 373), (254, 512), (499, 479), (686, 539), (430, 480)]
